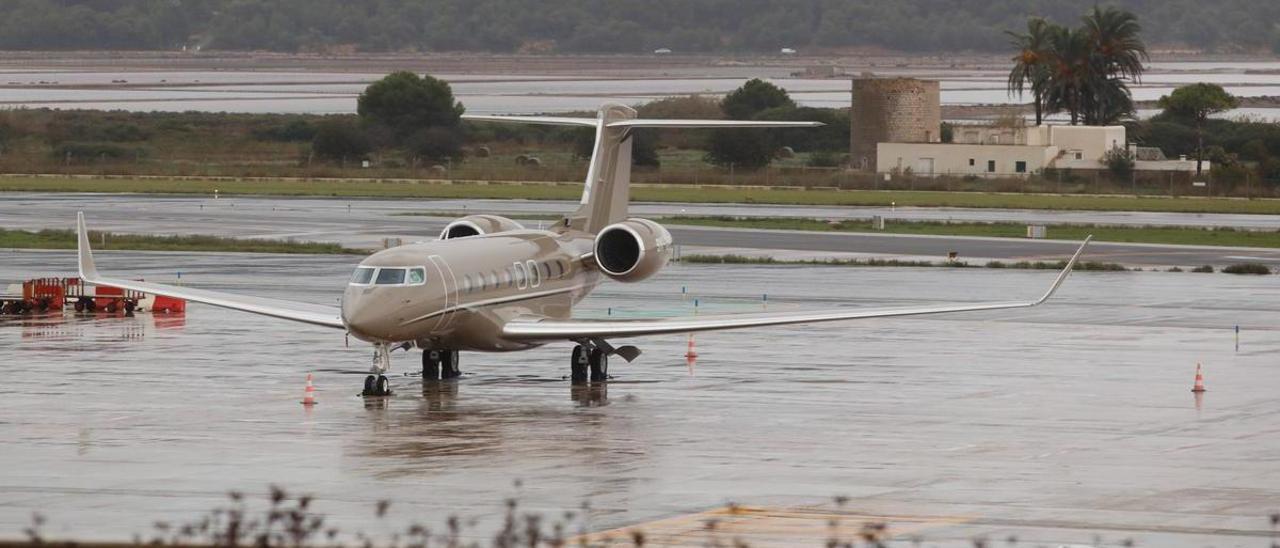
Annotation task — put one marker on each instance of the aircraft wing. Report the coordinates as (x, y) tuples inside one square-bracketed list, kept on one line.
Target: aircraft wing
[(315, 314), (550, 329)]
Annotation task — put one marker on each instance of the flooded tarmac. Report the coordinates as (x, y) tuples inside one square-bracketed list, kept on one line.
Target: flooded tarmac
[(1058, 425)]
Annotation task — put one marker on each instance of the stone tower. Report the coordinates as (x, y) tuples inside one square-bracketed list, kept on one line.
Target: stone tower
[(892, 110)]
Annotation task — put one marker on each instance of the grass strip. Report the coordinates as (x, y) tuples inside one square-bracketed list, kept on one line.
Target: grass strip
[(66, 239), (694, 194), (1226, 237)]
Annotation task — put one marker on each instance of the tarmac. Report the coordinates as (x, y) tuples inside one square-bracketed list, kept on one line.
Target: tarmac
[(1070, 424), (365, 223)]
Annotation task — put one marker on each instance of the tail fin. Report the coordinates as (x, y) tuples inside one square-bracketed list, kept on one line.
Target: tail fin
[(608, 185)]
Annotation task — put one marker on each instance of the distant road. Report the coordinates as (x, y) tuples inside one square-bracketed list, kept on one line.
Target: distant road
[(365, 222)]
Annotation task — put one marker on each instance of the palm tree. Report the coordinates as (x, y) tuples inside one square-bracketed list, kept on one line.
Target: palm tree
[(1084, 71), (1117, 48), (1106, 101), (1116, 55), (1030, 64), (1069, 71)]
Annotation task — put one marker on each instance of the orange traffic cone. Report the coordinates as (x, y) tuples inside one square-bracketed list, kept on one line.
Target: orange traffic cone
[(1199, 387), (309, 394), (691, 353)]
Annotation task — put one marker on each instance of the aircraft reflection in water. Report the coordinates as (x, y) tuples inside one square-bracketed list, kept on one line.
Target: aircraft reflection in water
[(489, 284), (451, 425)]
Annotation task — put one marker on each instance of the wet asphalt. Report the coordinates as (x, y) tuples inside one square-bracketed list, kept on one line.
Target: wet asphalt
[(366, 223), (1061, 424)]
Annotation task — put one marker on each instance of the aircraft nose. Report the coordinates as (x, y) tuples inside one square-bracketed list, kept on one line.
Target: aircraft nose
[(360, 316)]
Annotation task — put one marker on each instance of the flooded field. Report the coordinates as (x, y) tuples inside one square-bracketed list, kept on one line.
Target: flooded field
[(316, 90), (1058, 425)]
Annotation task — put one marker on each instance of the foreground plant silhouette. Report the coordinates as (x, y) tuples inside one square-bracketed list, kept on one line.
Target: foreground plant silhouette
[(291, 522)]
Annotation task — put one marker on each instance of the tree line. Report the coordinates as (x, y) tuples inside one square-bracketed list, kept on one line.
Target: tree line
[(607, 26)]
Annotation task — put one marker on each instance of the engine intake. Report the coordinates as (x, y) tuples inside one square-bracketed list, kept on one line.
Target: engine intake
[(632, 250), (475, 225)]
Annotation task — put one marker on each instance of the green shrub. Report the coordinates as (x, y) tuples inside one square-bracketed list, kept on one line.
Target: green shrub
[(1247, 268), (1120, 162), (1203, 269), (823, 158), (88, 152), (294, 131), (340, 140)]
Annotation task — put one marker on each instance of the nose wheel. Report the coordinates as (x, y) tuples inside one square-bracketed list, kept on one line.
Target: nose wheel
[(376, 385)]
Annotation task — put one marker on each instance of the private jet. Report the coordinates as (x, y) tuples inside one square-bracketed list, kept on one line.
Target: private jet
[(489, 284)]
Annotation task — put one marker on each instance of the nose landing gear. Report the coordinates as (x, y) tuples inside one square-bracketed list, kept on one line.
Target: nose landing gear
[(377, 384)]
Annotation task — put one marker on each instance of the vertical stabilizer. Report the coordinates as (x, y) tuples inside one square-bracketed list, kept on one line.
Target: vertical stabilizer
[(608, 185)]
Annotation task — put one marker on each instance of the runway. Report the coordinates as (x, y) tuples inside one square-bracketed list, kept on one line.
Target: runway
[(1058, 425), (365, 223)]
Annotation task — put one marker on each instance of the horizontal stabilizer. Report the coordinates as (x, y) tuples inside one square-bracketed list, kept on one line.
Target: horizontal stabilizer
[(541, 120), (594, 122), (711, 123)]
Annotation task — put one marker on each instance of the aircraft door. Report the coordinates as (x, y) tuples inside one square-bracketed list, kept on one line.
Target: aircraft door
[(448, 284)]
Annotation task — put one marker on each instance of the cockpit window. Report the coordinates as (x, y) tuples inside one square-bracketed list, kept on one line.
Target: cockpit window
[(362, 275), (390, 276), (417, 276)]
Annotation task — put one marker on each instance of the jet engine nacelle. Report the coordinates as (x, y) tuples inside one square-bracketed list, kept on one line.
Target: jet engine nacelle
[(475, 225), (632, 250)]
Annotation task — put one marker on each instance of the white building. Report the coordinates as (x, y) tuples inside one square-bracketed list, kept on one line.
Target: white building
[(1019, 151)]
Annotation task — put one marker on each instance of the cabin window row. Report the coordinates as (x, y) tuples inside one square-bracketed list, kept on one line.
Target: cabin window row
[(528, 274)]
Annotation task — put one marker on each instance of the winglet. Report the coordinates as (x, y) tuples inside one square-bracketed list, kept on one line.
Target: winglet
[(1065, 271), (88, 271)]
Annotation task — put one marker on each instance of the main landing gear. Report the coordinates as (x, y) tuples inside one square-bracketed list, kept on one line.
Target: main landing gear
[(588, 363), (440, 365), (436, 365)]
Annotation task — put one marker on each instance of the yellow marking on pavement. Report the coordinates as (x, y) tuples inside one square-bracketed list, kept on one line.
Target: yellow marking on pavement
[(763, 527)]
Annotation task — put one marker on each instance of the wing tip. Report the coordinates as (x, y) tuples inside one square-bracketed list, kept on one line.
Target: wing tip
[(1066, 270), (87, 269)]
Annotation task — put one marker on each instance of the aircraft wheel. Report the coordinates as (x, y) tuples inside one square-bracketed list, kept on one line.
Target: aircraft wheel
[(449, 367), (383, 386), (430, 365), (370, 385), (578, 365), (129, 306), (80, 305), (599, 365)]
